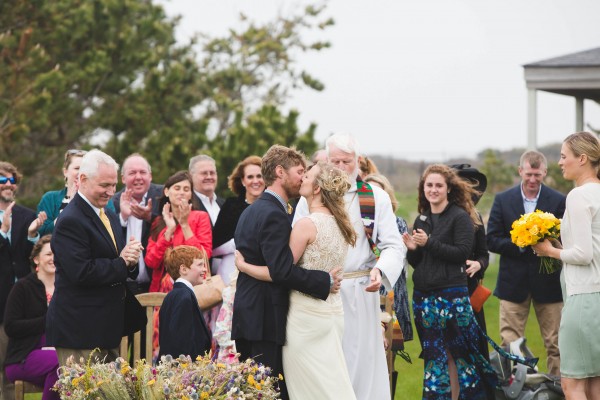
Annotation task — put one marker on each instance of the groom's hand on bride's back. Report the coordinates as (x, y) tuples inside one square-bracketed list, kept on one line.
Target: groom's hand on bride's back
[(336, 280)]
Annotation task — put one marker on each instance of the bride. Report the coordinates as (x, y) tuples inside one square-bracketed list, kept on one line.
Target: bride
[(313, 359)]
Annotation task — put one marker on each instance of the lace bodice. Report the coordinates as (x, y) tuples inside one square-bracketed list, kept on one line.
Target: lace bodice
[(329, 249)]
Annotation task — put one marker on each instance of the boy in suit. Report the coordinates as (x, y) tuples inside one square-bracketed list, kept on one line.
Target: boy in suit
[(182, 326)]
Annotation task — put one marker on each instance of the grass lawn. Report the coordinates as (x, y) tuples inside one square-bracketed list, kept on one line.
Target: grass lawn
[(409, 385)]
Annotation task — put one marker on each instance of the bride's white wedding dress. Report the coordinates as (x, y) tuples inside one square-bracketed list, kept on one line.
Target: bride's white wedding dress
[(313, 360)]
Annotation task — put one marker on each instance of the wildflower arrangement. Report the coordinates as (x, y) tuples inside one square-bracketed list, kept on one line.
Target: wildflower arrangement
[(534, 227), (172, 378)]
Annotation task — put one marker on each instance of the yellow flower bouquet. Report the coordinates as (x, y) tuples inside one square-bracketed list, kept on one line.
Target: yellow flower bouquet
[(534, 227)]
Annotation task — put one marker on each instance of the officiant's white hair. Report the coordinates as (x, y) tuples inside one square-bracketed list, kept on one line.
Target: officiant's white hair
[(343, 142)]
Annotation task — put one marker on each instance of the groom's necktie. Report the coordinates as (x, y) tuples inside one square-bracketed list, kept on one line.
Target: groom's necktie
[(106, 223)]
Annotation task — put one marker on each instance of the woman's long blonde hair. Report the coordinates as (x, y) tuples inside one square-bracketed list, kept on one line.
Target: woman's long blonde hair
[(334, 184)]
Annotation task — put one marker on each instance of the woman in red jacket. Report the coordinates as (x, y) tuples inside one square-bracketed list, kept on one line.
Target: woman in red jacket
[(180, 224)]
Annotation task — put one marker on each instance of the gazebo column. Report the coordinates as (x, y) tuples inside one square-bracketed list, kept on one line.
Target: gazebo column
[(532, 119), (578, 114)]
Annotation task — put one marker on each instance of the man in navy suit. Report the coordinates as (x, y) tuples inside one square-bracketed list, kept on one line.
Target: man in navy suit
[(183, 329), (137, 205), (262, 237), (520, 281), (18, 233), (92, 264)]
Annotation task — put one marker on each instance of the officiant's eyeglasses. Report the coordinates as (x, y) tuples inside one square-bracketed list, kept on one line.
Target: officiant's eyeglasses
[(4, 179)]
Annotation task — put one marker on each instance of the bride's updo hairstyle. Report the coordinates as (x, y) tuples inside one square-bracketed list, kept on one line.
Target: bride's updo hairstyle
[(588, 144), (334, 184)]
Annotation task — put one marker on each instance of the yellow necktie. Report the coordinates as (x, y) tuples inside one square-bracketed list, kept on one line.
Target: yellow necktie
[(106, 223)]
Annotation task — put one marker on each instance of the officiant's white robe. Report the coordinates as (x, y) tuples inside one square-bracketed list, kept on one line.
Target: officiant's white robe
[(363, 341)]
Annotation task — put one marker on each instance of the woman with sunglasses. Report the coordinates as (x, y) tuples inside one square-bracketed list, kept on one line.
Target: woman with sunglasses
[(54, 201)]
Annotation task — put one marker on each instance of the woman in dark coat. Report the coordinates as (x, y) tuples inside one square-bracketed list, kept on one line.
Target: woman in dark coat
[(27, 358), (438, 249)]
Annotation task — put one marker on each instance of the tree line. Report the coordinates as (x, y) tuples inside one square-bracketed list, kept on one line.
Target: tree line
[(110, 74)]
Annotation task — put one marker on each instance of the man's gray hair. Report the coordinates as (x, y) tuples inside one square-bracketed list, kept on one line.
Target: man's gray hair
[(343, 142), (92, 159), (201, 157)]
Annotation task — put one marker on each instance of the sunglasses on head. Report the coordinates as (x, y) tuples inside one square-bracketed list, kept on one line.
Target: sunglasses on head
[(76, 152), (4, 179)]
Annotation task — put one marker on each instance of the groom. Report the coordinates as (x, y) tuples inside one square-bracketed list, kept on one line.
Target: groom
[(262, 236)]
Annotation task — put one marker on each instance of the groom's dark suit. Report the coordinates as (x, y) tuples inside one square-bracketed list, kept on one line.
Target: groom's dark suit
[(87, 307), (260, 312)]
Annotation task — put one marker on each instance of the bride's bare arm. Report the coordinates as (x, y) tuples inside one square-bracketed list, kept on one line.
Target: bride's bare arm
[(304, 233), (257, 272)]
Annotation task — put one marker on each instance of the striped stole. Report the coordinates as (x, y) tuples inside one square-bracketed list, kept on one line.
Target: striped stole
[(366, 200)]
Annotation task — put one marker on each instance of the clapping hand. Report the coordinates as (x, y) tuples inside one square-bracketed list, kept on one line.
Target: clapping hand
[(168, 217), (132, 251), (6, 219), (125, 203), (142, 212), (36, 224)]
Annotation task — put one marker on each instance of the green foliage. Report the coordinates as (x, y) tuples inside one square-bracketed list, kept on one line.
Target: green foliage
[(109, 73), (66, 67), (498, 173), (256, 134)]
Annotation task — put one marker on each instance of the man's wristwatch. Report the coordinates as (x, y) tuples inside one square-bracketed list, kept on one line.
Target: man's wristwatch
[(330, 281)]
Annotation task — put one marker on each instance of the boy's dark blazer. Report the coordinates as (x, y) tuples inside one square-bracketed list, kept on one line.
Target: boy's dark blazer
[(182, 328)]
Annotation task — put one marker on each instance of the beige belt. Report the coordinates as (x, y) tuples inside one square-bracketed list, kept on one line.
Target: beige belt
[(357, 274)]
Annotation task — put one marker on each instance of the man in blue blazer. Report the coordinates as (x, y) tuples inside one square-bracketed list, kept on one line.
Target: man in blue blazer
[(262, 237), (520, 281), (92, 263)]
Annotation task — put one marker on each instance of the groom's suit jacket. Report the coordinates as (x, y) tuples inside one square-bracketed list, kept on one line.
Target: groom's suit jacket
[(262, 236), (87, 308), (519, 273)]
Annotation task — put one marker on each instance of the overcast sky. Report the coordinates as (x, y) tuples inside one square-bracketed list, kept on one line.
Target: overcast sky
[(427, 79)]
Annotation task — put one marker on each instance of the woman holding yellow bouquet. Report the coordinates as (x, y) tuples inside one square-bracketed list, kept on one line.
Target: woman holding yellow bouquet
[(580, 232)]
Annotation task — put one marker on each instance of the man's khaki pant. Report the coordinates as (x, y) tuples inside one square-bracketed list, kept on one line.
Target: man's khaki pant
[(513, 318)]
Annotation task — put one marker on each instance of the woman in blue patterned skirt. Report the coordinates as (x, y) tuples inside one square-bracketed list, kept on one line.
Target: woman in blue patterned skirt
[(438, 248)]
